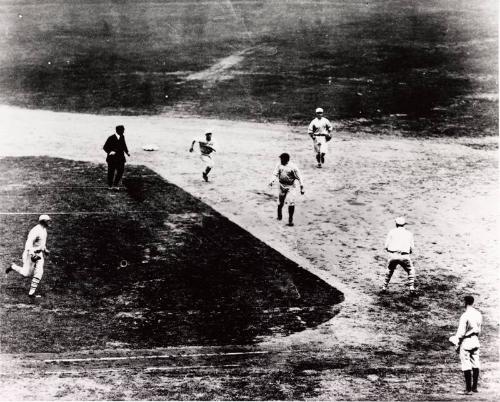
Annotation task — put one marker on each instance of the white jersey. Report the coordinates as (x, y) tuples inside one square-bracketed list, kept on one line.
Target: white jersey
[(37, 239), (287, 175), (320, 126), (206, 147), (399, 240), (469, 327)]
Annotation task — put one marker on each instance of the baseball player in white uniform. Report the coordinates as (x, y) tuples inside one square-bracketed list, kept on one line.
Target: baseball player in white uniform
[(400, 244), (288, 175), (207, 148), (35, 250), (320, 131), (466, 341)]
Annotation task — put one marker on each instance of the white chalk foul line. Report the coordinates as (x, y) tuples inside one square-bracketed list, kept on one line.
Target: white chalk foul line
[(150, 357), (158, 211)]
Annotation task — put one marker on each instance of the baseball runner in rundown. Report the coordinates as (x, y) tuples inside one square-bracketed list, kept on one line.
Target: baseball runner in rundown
[(35, 250), (320, 130), (288, 175), (207, 148)]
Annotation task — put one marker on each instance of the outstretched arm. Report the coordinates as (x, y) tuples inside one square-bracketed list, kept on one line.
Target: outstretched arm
[(192, 145)]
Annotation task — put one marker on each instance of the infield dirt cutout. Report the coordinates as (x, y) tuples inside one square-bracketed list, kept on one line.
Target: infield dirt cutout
[(376, 347)]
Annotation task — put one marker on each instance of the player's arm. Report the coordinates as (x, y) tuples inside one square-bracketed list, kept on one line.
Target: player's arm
[(298, 176), (108, 147), (192, 146), (311, 129), (462, 327), (412, 244), (275, 175)]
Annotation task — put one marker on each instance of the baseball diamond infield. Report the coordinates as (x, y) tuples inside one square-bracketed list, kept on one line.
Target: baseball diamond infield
[(174, 288)]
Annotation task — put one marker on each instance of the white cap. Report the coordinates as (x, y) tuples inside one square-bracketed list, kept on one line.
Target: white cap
[(44, 218), (319, 110), (400, 221)]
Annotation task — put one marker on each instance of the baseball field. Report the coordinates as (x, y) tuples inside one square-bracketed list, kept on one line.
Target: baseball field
[(173, 288)]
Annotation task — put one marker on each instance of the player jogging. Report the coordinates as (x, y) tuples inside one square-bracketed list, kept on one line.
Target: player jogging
[(33, 257), (207, 148), (320, 131), (287, 174)]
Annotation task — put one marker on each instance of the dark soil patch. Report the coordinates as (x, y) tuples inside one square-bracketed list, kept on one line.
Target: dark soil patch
[(191, 275)]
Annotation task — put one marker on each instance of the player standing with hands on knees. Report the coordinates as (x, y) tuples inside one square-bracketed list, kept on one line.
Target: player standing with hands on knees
[(287, 174), (116, 148), (207, 148), (35, 250), (320, 131)]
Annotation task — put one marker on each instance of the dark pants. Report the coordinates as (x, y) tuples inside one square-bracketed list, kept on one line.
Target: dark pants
[(118, 167)]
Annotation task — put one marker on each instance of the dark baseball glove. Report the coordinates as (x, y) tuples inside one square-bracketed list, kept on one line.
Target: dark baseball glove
[(35, 257), (328, 137)]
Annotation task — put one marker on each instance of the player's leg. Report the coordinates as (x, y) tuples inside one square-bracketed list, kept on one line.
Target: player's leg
[(291, 211), (391, 266), (410, 270), (281, 202), (291, 197), (111, 173), (324, 149), (474, 356), (120, 168), (317, 151), (465, 361), (27, 268), (37, 277), (208, 161)]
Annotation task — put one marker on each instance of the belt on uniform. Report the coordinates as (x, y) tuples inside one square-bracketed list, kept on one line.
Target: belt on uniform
[(398, 252), (470, 335)]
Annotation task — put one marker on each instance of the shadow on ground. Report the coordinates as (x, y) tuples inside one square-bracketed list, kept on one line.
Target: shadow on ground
[(147, 266)]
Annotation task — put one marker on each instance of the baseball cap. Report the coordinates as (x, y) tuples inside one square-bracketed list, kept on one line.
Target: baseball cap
[(319, 110), (44, 218), (400, 221)]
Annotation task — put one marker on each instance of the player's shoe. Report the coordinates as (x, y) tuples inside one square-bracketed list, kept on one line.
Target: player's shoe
[(290, 224), (383, 289), (319, 165), (9, 269), (205, 176), (35, 296), (465, 392)]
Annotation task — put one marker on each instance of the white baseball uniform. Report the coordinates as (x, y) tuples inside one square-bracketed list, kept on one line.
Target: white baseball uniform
[(319, 128), (469, 329), (287, 176), (206, 151), (35, 245)]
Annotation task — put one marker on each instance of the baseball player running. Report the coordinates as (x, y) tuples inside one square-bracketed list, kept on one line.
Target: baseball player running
[(33, 257), (207, 148), (320, 131), (399, 244), (287, 174)]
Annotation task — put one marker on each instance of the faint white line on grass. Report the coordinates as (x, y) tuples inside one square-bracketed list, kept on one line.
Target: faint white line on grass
[(157, 211), (146, 357)]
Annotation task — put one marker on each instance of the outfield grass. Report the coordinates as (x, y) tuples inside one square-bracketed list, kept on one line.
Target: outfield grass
[(433, 64), (193, 277)]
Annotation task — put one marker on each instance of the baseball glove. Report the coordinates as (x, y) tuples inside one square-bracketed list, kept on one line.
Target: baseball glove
[(35, 257), (328, 137)]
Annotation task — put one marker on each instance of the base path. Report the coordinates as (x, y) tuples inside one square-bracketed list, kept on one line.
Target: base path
[(447, 189)]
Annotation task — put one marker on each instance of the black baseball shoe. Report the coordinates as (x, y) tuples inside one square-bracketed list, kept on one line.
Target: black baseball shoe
[(290, 224)]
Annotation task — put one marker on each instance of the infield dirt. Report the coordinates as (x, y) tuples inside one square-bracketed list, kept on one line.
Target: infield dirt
[(377, 346)]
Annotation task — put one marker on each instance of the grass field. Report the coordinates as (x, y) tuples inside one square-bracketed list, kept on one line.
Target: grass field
[(193, 277), (204, 310), (425, 68)]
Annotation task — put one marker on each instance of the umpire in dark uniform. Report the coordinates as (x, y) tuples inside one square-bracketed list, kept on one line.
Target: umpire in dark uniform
[(116, 148)]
